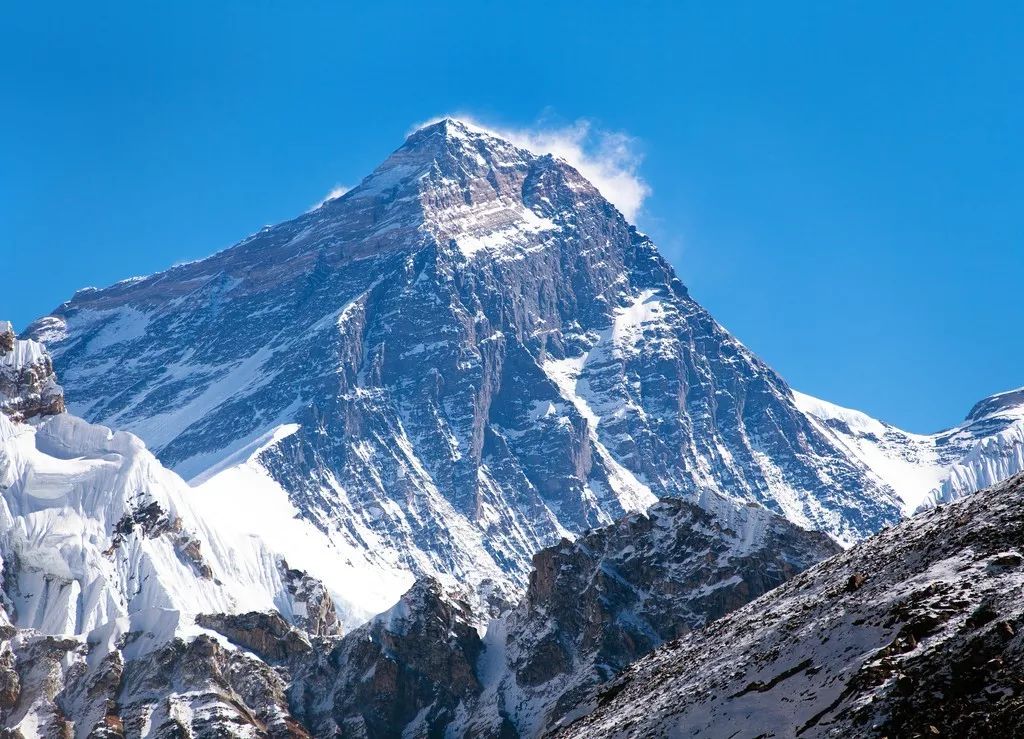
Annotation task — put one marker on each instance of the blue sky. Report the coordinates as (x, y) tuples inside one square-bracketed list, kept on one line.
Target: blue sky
[(840, 183)]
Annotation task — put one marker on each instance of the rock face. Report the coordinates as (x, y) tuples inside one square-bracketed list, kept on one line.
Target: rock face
[(914, 632), (411, 669), (28, 386), (466, 357), (196, 688), (595, 605)]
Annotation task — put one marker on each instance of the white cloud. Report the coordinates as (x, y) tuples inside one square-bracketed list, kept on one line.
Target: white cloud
[(610, 160), (336, 192)]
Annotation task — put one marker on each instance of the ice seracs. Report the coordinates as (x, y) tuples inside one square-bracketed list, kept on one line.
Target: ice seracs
[(28, 386)]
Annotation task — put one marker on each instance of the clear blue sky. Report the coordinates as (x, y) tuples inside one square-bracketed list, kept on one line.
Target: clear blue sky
[(841, 184)]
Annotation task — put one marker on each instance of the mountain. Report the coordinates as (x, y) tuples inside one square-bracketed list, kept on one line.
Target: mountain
[(129, 609), (106, 565), (925, 469), (914, 632), (458, 362)]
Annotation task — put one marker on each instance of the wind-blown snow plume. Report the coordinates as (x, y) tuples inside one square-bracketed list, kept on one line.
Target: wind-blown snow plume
[(609, 159), (336, 192)]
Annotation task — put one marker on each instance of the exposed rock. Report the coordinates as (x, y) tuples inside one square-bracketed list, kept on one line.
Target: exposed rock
[(460, 361), (268, 635), (311, 603), (28, 385), (855, 581), (201, 689), (922, 643), (408, 671)]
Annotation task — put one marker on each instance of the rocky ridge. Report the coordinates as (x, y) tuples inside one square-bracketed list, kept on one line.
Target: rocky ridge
[(914, 632)]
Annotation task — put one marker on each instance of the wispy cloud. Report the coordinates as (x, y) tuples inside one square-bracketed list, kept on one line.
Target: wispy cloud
[(609, 159), (336, 192)]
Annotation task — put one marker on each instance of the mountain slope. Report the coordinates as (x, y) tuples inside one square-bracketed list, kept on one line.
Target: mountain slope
[(925, 469), (466, 357), (914, 632), (597, 604), (105, 566), (129, 609)]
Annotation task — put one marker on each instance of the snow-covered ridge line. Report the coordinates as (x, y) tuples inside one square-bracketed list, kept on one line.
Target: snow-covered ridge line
[(925, 469), (473, 354)]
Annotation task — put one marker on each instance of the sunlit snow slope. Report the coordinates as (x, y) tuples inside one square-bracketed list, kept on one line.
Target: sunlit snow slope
[(925, 469)]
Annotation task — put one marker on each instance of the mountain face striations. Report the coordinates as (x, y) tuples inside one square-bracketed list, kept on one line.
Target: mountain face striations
[(458, 362), (465, 459), (129, 609)]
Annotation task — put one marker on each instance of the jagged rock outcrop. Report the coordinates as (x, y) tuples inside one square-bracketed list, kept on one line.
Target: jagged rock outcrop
[(267, 635), (595, 605), (918, 631), (193, 687), (312, 606), (28, 386), (407, 672)]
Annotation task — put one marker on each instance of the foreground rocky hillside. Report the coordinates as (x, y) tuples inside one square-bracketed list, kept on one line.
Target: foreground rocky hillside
[(595, 605), (918, 631)]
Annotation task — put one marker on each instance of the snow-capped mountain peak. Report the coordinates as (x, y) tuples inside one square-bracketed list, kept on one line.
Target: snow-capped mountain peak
[(474, 354)]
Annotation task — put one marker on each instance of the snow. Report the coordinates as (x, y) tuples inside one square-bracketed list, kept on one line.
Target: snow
[(924, 468), (249, 504), (25, 353), (68, 485), (631, 492), (497, 225), (630, 320), (121, 326)]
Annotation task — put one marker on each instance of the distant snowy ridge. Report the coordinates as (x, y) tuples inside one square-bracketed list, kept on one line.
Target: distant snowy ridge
[(925, 469)]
